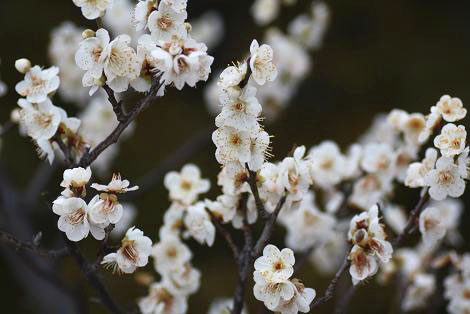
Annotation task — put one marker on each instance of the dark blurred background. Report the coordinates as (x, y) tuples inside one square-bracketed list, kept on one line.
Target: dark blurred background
[(377, 55)]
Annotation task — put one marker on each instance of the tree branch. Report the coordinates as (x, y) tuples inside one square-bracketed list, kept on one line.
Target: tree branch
[(118, 107), (330, 290), (268, 229), (412, 220), (9, 239), (254, 189), (88, 158), (226, 234), (90, 272)]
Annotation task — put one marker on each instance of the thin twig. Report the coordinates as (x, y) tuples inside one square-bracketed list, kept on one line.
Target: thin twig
[(104, 246), (342, 305), (330, 290), (90, 272), (412, 220), (112, 138), (254, 190), (118, 107), (226, 234), (9, 239), (268, 229)]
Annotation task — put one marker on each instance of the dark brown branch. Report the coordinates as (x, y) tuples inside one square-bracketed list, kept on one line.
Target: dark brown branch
[(90, 272), (226, 234), (9, 239), (112, 138), (118, 107), (330, 290), (268, 228), (254, 190), (412, 220), (104, 247), (342, 306), (245, 262)]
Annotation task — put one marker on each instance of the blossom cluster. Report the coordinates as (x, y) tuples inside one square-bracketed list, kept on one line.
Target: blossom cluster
[(457, 285), (47, 124), (168, 51), (77, 218), (274, 285), (172, 257), (292, 58), (370, 246)]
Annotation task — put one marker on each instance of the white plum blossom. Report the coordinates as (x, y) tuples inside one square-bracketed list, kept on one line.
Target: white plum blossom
[(417, 171), (464, 164), (88, 56), (451, 108), (240, 108), (261, 63), (40, 120), (165, 22), (105, 209), (327, 164), (177, 5), (38, 84), (74, 181), (362, 264), (198, 224), (418, 292), (232, 75), (170, 254), (431, 225), (116, 59), (232, 145), (369, 245), (413, 126), (300, 302), (142, 11), (161, 301), (223, 306), (378, 158), (265, 11), (278, 265), (74, 220), (270, 292), (186, 186), (134, 252), (433, 120), (93, 9), (116, 186), (224, 208), (259, 150), (182, 61), (183, 281), (120, 63), (445, 180), (451, 141)]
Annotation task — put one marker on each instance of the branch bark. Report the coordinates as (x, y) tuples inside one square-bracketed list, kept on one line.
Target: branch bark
[(412, 220), (330, 290), (268, 229), (9, 239), (90, 156)]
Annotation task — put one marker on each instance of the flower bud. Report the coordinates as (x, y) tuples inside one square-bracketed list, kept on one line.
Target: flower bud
[(23, 65), (88, 33), (15, 115), (188, 27)]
